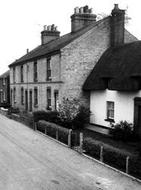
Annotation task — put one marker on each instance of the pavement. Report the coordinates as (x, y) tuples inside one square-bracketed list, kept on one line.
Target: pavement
[(31, 161)]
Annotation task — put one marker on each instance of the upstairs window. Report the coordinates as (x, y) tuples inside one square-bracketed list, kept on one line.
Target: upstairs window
[(22, 73), (48, 70), (4, 81), (14, 72), (35, 72), (48, 98), (35, 97), (110, 110), (22, 96)]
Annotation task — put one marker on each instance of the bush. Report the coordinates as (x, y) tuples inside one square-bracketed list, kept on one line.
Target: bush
[(91, 147), (51, 130), (135, 167), (114, 158), (51, 116), (111, 156), (123, 131), (13, 110), (73, 114), (5, 105)]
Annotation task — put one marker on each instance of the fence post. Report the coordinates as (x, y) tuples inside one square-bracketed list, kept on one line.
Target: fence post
[(127, 164), (69, 138), (81, 143), (35, 126), (101, 153), (57, 135), (45, 130)]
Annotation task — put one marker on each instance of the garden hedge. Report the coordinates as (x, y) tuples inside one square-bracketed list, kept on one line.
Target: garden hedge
[(113, 157)]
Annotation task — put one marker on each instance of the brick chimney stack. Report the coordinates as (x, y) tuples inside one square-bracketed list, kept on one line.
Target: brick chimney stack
[(49, 33), (81, 18), (117, 26)]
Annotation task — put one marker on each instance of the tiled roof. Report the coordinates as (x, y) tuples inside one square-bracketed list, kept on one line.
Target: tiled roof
[(54, 45), (118, 68), (5, 74)]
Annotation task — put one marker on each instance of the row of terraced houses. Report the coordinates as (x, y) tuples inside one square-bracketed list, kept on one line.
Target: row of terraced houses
[(98, 62)]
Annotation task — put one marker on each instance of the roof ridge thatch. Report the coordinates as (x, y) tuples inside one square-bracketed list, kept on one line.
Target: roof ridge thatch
[(116, 64)]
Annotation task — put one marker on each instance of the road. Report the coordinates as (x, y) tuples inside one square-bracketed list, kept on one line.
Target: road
[(31, 161)]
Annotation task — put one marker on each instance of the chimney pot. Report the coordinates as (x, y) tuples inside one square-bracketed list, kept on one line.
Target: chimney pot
[(52, 27), (86, 9), (27, 50), (76, 10), (91, 11), (49, 27), (44, 27), (83, 19), (49, 34), (81, 10), (116, 6)]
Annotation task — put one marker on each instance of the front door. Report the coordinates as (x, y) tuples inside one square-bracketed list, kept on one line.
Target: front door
[(26, 100), (137, 116), (30, 100)]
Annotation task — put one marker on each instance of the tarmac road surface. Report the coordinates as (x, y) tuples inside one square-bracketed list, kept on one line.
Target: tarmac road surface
[(31, 161)]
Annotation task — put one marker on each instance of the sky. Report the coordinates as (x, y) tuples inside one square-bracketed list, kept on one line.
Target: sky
[(21, 22)]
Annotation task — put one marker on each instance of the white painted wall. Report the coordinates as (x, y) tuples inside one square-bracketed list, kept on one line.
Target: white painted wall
[(124, 106)]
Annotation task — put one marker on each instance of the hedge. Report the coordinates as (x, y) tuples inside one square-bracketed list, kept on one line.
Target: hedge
[(113, 157), (91, 147), (50, 116), (51, 129)]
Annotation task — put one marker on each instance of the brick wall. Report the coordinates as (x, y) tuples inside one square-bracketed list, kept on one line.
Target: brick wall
[(79, 57)]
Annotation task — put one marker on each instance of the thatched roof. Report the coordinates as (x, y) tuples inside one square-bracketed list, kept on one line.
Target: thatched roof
[(118, 68)]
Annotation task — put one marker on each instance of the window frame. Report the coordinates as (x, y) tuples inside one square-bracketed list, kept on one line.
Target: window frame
[(35, 72), (14, 74), (110, 110), (22, 96), (48, 69), (22, 73), (48, 98), (35, 97)]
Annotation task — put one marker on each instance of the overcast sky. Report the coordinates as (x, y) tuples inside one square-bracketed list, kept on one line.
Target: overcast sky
[(21, 22)]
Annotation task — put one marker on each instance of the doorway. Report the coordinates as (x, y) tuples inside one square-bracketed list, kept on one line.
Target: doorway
[(26, 100), (30, 100), (137, 116)]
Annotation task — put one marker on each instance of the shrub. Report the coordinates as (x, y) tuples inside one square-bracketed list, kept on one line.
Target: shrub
[(51, 116), (135, 167), (114, 158), (51, 130), (91, 147), (111, 156), (123, 131), (73, 114), (13, 110)]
